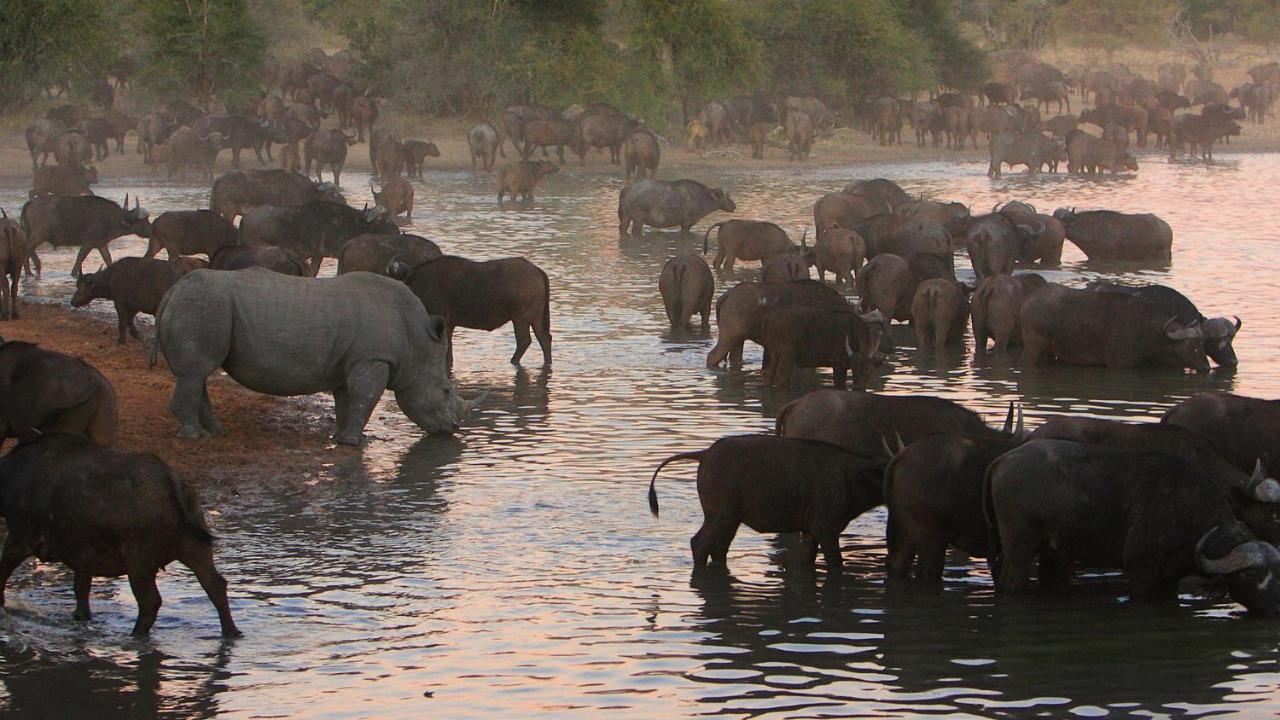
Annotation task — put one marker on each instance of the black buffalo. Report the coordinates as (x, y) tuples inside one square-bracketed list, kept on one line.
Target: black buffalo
[(88, 221)]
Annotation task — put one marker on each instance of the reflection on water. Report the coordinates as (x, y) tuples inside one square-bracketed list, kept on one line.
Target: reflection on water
[(516, 569)]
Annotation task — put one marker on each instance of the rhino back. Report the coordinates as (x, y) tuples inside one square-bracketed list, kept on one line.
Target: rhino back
[(283, 335)]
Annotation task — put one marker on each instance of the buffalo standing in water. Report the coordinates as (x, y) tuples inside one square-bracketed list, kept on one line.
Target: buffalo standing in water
[(662, 204), (686, 286), (777, 485), (1218, 332), (1106, 235), (104, 513), (88, 221), (485, 296)]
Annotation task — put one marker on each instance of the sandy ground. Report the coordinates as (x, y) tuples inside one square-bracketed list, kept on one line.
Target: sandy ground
[(278, 444)]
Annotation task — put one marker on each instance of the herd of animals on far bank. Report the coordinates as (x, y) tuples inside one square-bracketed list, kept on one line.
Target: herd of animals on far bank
[(1189, 495)]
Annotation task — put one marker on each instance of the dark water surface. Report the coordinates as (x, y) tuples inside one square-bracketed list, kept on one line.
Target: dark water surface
[(516, 569)]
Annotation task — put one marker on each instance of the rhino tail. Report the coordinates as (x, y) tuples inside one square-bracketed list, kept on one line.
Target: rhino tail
[(707, 235), (653, 493), (188, 515)]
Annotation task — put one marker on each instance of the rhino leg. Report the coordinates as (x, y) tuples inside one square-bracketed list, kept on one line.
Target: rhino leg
[(189, 397), (208, 420), (83, 583), (354, 403)]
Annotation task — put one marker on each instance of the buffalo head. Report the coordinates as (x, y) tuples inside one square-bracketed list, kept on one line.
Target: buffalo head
[(1218, 336), (1252, 568), (722, 200), (1188, 344)]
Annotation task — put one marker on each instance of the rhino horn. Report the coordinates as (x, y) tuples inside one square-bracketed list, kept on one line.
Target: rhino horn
[(472, 404), (1243, 556)]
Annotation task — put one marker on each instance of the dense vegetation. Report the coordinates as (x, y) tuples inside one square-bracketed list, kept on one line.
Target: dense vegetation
[(659, 58)]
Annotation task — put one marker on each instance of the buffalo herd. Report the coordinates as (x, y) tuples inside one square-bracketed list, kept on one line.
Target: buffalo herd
[(1158, 501)]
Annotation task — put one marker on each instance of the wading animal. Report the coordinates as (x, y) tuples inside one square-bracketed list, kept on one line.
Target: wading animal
[(687, 286)]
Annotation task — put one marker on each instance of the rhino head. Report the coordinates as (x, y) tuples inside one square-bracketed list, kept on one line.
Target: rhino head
[(425, 392)]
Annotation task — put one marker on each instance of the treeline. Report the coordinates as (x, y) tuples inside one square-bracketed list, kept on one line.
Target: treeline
[(661, 59)]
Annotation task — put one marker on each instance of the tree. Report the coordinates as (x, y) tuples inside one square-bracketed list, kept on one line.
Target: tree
[(52, 42), (203, 48)]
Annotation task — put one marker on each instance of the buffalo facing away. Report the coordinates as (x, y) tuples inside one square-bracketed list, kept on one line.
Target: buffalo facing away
[(104, 513)]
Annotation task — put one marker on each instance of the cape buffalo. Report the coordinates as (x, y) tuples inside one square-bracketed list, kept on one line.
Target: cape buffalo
[(416, 153), (742, 309), (13, 255), (777, 485), (687, 286), (642, 155), (483, 140), (88, 221), (996, 306), (997, 241), (1155, 516), (664, 204), (395, 194), (799, 129), (104, 513), (46, 391), (746, 240), (187, 149), (798, 336), (846, 210), (236, 192), (520, 177), (355, 335), (485, 296), (1079, 327), (326, 147), (1025, 148), (1241, 428), (597, 130), (933, 492), (190, 232), (1106, 235), (1218, 332), (839, 250), (135, 285), (63, 180), (938, 313), (862, 422), (374, 253), (240, 132), (315, 230), (275, 259), (888, 284)]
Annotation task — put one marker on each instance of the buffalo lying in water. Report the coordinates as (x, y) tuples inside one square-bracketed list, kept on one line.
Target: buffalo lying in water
[(1106, 235), (1079, 327), (1155, 516)]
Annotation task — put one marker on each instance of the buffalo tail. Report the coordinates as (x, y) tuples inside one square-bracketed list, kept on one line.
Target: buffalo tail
[(653, 493)]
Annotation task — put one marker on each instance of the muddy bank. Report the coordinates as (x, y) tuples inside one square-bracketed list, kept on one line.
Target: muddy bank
[(273, 444)]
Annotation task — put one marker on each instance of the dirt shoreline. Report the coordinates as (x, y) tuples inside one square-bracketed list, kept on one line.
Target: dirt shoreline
[(275, 445)]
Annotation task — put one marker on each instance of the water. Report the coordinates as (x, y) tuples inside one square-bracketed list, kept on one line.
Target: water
[(516, 570)]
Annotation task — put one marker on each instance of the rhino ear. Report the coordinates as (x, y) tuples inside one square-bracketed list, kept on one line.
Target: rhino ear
[(437, 328)]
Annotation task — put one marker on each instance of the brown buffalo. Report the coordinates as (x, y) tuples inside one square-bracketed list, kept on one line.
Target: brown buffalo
[(758, 135), (539, 133), (520, 177), (48, 392), (271, 257), (996, 305), (798, 336), (13, 254), (395, 194), (483, 141), (939, 311), (416, 153), (799, 135), (687, 286), (486, 296), (746, 240), (63, 180), (374, 253), (135, 285), (741, 311), (326, 147), (840, 251), (777, 485), (642, 155), (1106, 235), (887, 284)]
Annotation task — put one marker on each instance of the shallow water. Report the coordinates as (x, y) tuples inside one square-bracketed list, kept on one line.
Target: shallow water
[(516, 569)]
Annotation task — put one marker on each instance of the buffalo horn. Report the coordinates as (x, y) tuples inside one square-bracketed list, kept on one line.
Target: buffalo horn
[(995, 208), (848, 348), (803, 236), (1189, 333), (1241, 557), (126, 201), (1027, 228), (887, 450), (1261, 487), (1020, 428), (1239, 322), (898, 437), (875, 316), (1008, 419), (3, 215)]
